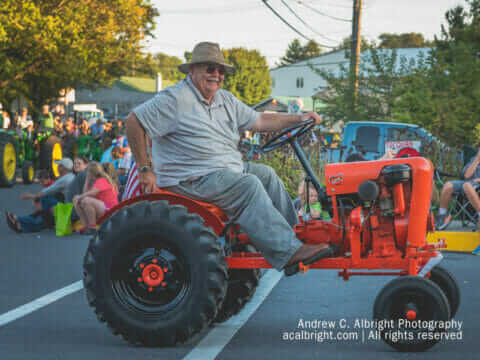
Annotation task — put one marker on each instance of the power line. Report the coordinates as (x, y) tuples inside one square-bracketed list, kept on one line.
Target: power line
[(284, 21), (322, 13), (308, 64), (307, 25)]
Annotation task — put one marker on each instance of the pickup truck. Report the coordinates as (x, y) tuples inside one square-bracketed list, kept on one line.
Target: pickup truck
[(372, 139)]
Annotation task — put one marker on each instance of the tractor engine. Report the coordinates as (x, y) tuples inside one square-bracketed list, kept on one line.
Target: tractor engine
[(378, 208)]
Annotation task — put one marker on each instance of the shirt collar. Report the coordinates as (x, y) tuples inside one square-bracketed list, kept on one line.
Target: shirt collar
[(217, 100)]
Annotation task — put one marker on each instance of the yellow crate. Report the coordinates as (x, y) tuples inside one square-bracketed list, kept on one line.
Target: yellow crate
[(456, 240)]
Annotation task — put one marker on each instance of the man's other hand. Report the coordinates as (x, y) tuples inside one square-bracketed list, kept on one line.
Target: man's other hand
[(318, 118), (148, 182)]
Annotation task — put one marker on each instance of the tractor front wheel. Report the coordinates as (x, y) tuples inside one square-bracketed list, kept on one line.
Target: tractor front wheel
[(406, 307), (155, 274), (445, 280)]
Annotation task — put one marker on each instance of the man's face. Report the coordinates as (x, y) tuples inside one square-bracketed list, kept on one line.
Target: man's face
[(45, 109), (208, 78)]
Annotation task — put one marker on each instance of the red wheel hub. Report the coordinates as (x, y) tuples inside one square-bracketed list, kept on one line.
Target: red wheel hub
[(152, 275), (411, 315)]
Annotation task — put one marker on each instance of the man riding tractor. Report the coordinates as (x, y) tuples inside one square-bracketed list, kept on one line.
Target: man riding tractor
[(166, 264)]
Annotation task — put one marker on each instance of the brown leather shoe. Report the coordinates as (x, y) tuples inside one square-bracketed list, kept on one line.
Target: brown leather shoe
[(305, 252)]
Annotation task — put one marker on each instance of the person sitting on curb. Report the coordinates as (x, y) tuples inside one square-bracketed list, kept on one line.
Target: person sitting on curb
[(471, 176), (75, 187), (33, 224), (99, 195)]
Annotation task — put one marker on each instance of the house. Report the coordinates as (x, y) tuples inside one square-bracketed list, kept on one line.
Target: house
[(300, 80), (125, 94)]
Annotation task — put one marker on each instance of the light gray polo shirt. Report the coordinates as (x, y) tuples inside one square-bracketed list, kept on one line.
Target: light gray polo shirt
[(190, 137)]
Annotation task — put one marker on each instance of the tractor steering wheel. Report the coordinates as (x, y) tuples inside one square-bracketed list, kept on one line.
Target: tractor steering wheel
[(288, 134)]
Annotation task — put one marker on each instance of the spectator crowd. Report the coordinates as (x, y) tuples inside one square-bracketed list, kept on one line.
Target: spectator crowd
[(93, 187)]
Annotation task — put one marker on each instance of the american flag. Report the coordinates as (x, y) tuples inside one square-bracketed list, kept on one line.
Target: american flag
[(132, 188)]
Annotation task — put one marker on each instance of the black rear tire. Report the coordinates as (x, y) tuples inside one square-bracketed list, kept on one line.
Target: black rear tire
[(8, 161), (155, 234), (242, 284), (407, 293), (445, 280)]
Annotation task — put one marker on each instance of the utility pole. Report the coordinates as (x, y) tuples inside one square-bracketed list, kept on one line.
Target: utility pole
[(355, 52)]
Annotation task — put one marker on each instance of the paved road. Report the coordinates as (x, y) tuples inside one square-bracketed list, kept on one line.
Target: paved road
[(35, 265)]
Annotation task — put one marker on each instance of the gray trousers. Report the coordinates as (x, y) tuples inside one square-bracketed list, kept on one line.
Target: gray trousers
[(260, 203)]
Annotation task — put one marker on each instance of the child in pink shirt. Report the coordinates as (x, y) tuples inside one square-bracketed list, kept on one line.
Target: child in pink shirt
[(100, 194)]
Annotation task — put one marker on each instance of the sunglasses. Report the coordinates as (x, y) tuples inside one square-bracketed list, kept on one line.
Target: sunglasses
[(211, 69)]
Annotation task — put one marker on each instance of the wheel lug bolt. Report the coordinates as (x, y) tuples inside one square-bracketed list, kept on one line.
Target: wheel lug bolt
[(150, 289), (165, 269), (142, 266), (139, 279), (164, 284), (154, 261)]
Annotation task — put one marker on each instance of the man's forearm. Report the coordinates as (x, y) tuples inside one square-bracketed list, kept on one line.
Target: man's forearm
[(136, 140), (274, 121)]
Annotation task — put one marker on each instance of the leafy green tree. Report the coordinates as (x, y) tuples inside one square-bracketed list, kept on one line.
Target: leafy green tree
[(168, 66), (405, 40), (347, 45), (311, 49), (251, 81), (445, 96), (379, 73), (293, 54), (51, 44), (188, 56), (297, 52)]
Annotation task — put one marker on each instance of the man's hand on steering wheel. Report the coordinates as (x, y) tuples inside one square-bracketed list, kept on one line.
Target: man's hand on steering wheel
[(308, 122), (312, 115)]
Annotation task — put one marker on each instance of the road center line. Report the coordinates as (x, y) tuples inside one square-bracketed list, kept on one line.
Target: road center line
[(26, 309), (221, 334)]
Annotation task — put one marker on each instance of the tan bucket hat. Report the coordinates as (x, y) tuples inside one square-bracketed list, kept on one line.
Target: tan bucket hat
[(206, 52)]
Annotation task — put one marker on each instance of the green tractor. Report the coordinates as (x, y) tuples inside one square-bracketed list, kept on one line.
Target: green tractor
[(84, 145), (26, 153)]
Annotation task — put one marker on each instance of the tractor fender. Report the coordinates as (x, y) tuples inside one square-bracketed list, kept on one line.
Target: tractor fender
[(209, 213)]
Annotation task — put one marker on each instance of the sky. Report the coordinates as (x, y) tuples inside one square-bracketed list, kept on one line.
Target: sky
[(250, 24)]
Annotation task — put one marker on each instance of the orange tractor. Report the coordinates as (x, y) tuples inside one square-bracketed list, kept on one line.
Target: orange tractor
[(162, 267)]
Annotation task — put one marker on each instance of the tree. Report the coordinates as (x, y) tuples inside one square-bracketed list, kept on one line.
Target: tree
[(405, 40), (379, 73), (311, 49), (168, 66), (51, 44), (347, 45), (251, 81), (297, 52), (293, 54), (445, 97), (187, 55)]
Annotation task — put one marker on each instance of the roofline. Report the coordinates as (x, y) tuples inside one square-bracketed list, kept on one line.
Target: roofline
[(383, 123), (346, 60)]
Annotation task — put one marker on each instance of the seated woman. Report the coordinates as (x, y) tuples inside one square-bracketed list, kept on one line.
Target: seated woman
[(100, 194)]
